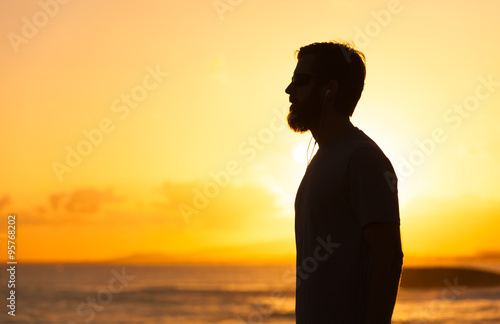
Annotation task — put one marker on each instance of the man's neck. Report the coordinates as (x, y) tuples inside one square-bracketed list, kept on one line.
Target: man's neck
[(331, 131)]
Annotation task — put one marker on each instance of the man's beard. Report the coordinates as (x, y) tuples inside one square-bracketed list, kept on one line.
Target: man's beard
[(301, 120)]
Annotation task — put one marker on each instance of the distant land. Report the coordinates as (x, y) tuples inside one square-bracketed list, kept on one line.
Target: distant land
[(431, 277), (267, 253)]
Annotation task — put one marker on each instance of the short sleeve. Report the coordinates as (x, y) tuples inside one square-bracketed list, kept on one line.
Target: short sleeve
[(372, 185)]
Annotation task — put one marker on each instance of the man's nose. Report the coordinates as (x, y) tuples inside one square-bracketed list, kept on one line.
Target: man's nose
[(288, 89)]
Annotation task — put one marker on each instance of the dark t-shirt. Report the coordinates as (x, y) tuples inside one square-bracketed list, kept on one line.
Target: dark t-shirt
[(349, 184)]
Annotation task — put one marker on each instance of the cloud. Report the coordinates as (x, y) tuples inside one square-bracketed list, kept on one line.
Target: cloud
[(86, 200), (4, 201), (54, 200), (240, 207), (76, 207), (473, 151), (234, 207), (237, 216), (175, 194)]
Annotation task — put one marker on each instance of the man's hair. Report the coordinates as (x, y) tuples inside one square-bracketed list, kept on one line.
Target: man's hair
[(341, 62)]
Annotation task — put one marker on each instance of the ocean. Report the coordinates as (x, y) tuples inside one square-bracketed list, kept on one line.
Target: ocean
[(74, 294)]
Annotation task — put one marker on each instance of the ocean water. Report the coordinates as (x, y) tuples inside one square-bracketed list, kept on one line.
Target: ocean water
[(74, 294)]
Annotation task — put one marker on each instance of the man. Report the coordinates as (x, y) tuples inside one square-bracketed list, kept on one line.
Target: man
[(347, 234)]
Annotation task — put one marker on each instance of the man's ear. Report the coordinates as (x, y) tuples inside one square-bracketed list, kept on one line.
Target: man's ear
[(333, 86)]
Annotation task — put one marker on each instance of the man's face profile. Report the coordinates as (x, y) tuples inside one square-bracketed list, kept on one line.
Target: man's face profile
[(304, 91)]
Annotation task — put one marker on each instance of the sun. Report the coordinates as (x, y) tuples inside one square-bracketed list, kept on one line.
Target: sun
[(299, 153)]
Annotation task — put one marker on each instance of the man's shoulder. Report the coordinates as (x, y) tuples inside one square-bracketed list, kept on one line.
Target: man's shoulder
[(363, 150), (354, 147), (357, 142)]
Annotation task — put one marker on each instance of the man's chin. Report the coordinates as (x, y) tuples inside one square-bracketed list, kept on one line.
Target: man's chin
[(296, 124)]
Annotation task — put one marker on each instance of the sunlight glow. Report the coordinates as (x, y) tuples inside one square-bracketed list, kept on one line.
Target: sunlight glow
[(164, 129)]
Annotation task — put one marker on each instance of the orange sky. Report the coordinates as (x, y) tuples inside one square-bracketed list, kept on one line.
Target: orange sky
[(152, 127)]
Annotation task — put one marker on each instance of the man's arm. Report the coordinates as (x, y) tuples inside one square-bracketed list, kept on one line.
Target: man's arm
[(384, 242)]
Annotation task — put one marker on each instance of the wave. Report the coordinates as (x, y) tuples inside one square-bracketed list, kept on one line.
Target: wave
[(210, 291)]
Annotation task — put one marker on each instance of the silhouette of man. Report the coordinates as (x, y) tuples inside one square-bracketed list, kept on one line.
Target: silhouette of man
[(347, 234)]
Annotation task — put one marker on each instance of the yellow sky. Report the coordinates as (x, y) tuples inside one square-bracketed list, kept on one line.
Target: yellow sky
[(138, 127)]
